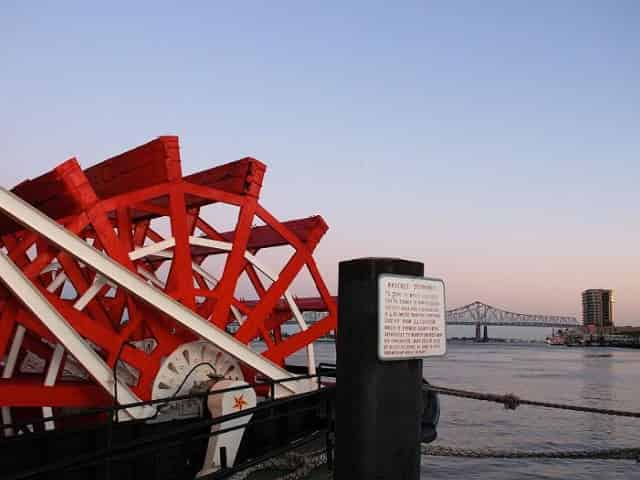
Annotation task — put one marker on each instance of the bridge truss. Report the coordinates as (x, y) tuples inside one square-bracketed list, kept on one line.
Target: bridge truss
[(478, 313)]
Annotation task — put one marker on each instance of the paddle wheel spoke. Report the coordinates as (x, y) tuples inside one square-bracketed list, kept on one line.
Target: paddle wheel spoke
[(170, 280)]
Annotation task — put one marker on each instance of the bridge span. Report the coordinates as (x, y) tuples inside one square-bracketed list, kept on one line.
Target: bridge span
[(482, 315), (476, 313)]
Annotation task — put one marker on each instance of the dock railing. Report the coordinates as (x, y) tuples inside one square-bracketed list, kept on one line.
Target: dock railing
[(188, 436)]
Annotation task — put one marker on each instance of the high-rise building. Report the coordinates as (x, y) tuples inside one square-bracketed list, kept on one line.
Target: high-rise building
[(597, 307)]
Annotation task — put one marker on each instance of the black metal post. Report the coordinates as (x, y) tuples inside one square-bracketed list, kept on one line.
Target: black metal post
[(378, 404), (223, 458)]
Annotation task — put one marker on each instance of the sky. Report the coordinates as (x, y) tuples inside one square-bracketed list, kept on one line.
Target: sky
[(497, 142)]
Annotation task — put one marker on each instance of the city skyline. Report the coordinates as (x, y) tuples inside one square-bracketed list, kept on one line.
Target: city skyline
[(504, 157)]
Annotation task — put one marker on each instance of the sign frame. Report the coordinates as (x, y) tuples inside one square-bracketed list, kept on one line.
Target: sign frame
[(381, 312)]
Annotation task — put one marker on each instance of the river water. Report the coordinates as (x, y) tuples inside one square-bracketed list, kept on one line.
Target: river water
[(596, 377)]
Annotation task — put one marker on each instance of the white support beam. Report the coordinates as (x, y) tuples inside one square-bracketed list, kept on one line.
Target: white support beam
[(9, 367), (207, 242), (58, 353), (98, 282), (311, 357), (33, 219), (151, 277), (61, 277), (139, 253), (35, 301), (50, 380), (52, 267)]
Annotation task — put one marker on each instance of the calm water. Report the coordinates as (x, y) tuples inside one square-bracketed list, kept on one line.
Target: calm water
[(540, 372)]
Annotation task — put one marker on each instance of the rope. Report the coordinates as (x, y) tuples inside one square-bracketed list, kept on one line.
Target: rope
[(297, 464), (607, 454), (511, 401)]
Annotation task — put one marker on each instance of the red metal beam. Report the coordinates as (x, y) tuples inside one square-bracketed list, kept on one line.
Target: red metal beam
[(150, 164), (301, 339), (305, 304), (265, 236), (243, 177), (159, 162), (48, 194), (29, 393), (305, 229)]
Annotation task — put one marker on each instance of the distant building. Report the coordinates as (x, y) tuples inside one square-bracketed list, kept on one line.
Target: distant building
[(597, 308)]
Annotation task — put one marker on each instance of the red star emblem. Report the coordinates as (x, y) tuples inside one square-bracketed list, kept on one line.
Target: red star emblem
[(239, 402)]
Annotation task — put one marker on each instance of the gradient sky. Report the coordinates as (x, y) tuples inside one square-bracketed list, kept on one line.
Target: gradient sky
[(497, 142)]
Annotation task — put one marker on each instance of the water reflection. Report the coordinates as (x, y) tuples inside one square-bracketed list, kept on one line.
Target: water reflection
[(596, 392)]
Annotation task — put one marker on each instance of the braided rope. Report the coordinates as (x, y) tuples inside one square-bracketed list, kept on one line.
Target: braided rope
[(511, 402), (608, 454), (299, 465)]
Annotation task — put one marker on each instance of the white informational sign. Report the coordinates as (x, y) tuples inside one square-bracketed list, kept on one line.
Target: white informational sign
[(411, 317)]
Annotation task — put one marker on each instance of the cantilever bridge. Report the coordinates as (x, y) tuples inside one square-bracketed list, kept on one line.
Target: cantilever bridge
[(482, 315), (478, 313)]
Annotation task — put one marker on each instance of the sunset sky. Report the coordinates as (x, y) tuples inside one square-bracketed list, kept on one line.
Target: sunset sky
[(497, 142)]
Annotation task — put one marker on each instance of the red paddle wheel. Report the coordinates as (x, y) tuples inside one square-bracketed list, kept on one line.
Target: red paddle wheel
[(188, 267)]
